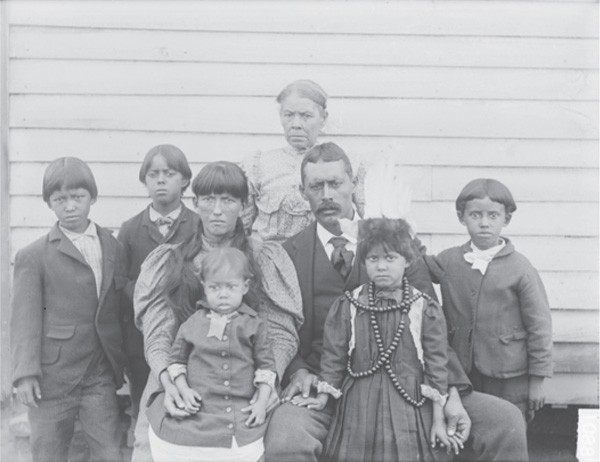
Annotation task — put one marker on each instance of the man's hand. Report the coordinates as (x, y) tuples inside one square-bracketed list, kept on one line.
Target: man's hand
[(537, 397), (300, 382), (317, 403), (28, 391), (458, 423)]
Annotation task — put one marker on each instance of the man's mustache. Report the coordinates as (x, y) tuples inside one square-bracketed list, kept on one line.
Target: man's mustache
[(329, 206)]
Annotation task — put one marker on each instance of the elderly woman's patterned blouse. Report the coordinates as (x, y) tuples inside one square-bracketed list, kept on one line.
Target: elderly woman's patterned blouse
[(276, 209)]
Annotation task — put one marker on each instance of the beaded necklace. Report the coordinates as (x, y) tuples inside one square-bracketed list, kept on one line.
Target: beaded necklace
[(385, 354)]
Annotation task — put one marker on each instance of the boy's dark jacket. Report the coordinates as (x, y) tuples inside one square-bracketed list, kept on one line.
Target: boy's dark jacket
[(58, 322), (139, 236)]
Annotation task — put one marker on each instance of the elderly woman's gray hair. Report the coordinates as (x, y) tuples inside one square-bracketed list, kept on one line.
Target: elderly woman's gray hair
[(306, 89)]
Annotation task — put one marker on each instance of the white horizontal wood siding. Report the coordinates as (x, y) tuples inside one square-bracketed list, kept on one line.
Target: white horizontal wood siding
[(455, 89)]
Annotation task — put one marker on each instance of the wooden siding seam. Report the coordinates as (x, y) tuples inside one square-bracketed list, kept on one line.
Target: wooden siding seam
[(306, 63), (270, 96), (278, 133), (293, 33)]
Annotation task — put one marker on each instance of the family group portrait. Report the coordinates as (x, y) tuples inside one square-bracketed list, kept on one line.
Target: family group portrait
[(288, 231)]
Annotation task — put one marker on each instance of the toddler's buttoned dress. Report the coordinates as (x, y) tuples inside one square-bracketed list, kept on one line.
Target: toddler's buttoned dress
[(224, 372)]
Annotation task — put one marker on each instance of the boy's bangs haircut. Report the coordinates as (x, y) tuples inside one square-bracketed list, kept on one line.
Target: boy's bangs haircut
[(174, 157), (326, 152), (392, 234), (68, 173), (486, 187), (228, 260), (221, 178)]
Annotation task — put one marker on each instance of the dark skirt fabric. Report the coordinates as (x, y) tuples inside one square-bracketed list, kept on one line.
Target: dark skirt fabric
[(373, 422)]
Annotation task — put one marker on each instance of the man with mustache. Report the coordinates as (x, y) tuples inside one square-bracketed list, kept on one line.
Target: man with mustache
[(324, 257)]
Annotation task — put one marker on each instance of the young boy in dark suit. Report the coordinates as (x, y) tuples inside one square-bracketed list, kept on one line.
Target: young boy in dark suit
[(66, 340), (166, 174)]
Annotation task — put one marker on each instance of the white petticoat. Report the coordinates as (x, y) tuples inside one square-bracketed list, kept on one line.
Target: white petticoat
[(163, 451)]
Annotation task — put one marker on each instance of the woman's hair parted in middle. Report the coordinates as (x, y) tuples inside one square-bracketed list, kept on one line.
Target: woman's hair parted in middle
[(392, 234), (183, 288), (306, 89)]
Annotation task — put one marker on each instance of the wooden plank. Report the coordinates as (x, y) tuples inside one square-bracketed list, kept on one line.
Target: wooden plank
[(550, 185), (567, 254), (580, 389), (575, 358), (374, 117), (43, 145), (123, 181), (310, 48), (540, 185), (6, 370), (432, 18), (572, 290), (575, 326), (126, 77), (533, 219), (430, 217)]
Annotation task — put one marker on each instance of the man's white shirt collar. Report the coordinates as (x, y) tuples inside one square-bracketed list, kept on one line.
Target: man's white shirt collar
[(324, 236)]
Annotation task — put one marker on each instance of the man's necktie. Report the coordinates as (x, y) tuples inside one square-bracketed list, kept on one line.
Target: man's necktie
[(341, 257)]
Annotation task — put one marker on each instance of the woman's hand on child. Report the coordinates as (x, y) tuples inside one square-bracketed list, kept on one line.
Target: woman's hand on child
[(173, 401), (258, 414), (300, 383), (28, 391), (272, 403), (537, 397), (191, 400)]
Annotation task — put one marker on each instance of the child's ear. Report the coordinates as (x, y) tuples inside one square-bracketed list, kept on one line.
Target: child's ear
[(195, 202), (507, 219), (93, 201), (460, 215), (246, 287)]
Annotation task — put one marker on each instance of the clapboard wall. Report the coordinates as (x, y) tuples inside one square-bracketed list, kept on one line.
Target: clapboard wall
[(455, 89)]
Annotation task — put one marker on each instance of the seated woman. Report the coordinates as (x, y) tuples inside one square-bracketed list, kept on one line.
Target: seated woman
[(276, 209), (169, 286)]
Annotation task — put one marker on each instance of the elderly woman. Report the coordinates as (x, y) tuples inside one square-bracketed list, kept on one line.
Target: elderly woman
[(169, 287), (277, 210)]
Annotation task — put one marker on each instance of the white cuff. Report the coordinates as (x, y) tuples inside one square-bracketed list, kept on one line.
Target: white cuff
[(324, 387), (433, 394), (175, 370), (265, 376)]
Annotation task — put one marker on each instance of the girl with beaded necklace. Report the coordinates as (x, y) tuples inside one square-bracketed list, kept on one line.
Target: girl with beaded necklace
[(384, 359)]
